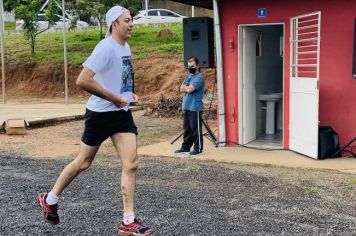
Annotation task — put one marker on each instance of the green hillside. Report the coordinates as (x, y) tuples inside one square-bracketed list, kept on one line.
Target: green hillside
[(49, 47)]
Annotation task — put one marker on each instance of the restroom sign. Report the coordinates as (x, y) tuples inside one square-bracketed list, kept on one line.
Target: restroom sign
[(262, 12)]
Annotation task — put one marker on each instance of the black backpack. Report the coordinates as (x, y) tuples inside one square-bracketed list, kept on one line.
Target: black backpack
[(328, 142)]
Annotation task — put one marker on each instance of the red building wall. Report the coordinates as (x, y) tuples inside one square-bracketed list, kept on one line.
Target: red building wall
[(337, 105)]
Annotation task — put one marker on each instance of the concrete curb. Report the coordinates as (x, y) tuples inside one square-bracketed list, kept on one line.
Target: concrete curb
[(45, 122), (51, 121)]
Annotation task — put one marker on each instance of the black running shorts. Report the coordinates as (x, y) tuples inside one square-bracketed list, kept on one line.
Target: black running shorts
[(101, 125)]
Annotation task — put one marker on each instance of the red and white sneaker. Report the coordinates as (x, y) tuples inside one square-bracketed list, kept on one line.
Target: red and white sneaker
[(49, 211), (134, 229)]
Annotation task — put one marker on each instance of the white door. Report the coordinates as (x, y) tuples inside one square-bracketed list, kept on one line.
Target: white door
[(304, 84), (250, 37)]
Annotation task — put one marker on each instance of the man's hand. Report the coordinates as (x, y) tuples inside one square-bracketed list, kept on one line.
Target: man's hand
[(187, 89), (134, 98), (119, 101)]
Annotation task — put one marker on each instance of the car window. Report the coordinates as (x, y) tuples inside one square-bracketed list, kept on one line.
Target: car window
[(57, 18), (41, 18), (167, 13), (44, 18), (152, 13)]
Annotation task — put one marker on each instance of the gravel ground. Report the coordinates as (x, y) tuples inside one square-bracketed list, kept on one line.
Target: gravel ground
[(180, 196)]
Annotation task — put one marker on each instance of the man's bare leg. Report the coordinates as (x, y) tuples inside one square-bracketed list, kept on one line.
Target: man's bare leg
[(80, 163), (48, 201), (125, 144)]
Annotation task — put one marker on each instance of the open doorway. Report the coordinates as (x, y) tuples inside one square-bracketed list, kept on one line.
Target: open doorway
[(261, 63)]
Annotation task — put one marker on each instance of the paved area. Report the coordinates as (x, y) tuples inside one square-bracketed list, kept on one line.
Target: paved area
[(34, 113), (38, 113), (284, 158)]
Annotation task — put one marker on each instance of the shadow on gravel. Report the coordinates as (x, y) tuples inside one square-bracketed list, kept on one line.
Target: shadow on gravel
[(179, 197)]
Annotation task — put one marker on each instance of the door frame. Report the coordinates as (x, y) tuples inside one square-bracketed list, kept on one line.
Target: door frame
[(240, 75)]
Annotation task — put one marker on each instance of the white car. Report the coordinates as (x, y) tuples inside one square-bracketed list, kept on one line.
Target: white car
[(43, 23), (157, 16)]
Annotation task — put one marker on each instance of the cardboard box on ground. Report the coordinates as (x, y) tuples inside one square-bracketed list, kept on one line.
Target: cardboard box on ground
[(15, 126)]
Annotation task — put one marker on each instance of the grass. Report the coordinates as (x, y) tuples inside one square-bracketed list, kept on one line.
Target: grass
[(144, 41), (9, 25), (311, 191), (158, 133), (352, 181), (49, 47)]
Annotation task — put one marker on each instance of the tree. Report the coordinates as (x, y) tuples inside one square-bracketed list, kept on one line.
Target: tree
[(27, 11), (132, 5), (95, 8), (98, 8), (9, 5)]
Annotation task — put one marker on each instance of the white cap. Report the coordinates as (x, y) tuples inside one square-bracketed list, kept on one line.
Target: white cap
[(114, 13)]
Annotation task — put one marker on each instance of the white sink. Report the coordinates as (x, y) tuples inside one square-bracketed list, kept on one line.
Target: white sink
[(270, 97)]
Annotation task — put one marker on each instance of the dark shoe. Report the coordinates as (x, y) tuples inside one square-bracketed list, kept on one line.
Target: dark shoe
[(194, 153), (181, 151), (134, 229), (49, 211)]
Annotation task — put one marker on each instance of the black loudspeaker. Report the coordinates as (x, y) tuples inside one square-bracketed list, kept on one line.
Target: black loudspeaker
[(354, 61), (198, 39)]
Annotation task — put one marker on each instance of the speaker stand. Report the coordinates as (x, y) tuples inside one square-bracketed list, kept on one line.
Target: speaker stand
[(209, 134)]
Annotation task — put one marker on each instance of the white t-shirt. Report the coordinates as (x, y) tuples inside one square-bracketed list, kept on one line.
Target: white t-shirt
[(111, 63)]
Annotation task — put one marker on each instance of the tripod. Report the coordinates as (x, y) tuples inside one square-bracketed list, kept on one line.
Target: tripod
[(209, 134), (347, 145)]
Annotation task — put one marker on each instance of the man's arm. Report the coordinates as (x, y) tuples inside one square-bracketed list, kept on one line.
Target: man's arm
[(86, 81), (195, 84), (187, 88)]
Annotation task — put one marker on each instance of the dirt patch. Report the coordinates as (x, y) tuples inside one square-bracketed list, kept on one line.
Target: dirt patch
[(159, 76), (63, 140), (41, 80), (154, 76), (165, 33)]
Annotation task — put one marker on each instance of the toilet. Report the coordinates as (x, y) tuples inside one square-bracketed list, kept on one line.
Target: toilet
[(271, 99)]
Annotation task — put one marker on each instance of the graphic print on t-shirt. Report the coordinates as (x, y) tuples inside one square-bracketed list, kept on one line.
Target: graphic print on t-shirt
[(127, 75)]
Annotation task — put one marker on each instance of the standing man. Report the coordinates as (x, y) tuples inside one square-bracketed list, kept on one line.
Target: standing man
[(193, 89), (107, 75)]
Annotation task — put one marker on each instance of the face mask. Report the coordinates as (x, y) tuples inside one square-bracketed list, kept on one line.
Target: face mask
[(192, 70)]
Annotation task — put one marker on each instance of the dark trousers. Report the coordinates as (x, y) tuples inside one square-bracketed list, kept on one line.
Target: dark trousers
[(193, 134)]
